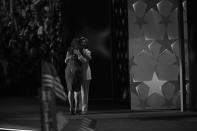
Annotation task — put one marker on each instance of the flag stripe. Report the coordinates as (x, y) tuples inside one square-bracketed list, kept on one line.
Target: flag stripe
[(87, 124), (84, 124), (54, 81), (50, 81), (56, 87), (84, 128), (87, 120)]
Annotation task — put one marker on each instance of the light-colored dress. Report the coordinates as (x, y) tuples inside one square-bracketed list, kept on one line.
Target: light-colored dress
[(86, 56)]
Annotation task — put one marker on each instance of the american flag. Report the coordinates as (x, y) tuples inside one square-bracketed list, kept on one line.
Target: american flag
[(88, 124), (50, 79), (35, 2)]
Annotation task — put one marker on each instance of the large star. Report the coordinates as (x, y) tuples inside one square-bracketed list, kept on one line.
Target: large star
[(165, 20), (155, 85), (151, 4), (166, 43), (140, 21)]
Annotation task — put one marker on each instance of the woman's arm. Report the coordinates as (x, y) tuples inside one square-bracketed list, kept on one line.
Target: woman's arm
[(82, 58), (87, 54)]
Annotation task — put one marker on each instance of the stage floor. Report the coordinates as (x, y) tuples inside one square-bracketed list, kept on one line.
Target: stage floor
[(23, 113)]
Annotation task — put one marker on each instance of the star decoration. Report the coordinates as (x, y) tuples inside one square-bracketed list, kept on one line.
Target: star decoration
[(143, 44), (151, 4), (134, 84), (166, 43), (140, 21), (165, 20), (130, 4), (155, 85), (131, 62), (174, 4)]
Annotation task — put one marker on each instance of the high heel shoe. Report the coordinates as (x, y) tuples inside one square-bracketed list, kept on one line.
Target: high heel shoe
[(78, 111), (72, 111)]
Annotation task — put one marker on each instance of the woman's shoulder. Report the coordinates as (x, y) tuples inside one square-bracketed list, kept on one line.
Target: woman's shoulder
[(70, 50), (86, 50)]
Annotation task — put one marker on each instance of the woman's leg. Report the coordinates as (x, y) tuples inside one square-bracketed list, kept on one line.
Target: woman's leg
[(84, 94), (76, 97), (70, 100)]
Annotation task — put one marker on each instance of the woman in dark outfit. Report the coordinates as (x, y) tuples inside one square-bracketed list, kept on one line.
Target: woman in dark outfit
[(73, 75)]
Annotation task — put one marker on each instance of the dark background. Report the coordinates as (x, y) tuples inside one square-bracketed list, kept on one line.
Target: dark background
[(92, 19), (88, 18)]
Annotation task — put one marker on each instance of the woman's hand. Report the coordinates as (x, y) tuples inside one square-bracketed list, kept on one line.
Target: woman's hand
[(77, 52)]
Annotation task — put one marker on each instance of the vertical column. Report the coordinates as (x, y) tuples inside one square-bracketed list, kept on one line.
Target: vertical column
[(192, 54), (120, 48), (182, 56)]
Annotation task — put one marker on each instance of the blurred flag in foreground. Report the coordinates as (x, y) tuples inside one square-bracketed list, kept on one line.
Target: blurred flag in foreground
[(51, 86), (88, 124), (51, 79)]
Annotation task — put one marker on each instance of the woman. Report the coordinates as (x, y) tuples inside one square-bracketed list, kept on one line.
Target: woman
[(73, 75)]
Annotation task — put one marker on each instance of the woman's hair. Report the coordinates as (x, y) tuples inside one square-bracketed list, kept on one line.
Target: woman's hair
[(75, 43)]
